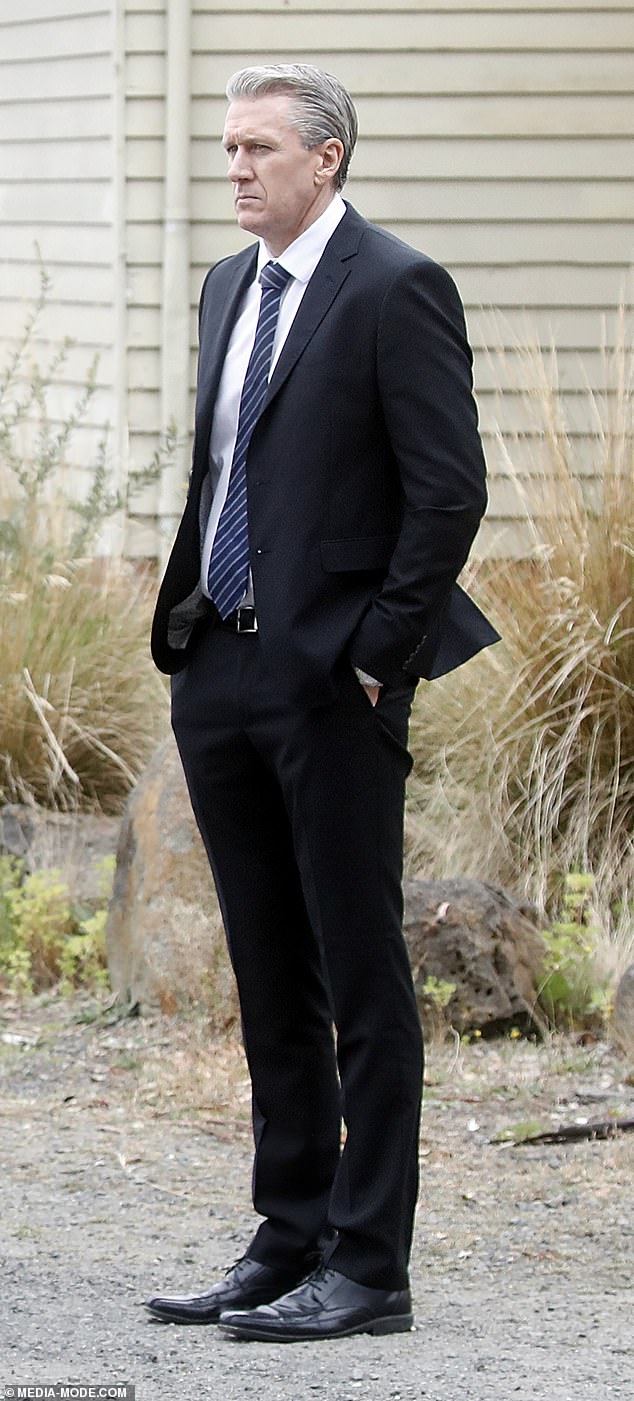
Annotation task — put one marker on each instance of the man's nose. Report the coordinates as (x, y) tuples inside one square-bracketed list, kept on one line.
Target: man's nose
[(239, 168)]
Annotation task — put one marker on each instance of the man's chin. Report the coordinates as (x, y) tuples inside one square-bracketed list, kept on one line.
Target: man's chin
[(248, 214)]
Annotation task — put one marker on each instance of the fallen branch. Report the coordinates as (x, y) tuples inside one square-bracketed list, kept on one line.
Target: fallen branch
[(576, 1133)]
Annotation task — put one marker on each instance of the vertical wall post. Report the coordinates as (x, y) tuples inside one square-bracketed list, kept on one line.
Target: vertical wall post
[(175, 309), (114, 534)]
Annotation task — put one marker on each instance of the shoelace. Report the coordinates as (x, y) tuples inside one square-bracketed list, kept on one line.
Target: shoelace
[(313, 1282)]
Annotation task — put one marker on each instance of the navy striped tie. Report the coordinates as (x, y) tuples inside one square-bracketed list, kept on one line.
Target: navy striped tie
[(229, 563)]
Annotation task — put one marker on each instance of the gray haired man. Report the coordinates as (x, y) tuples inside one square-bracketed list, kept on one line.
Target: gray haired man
[(337, 485)]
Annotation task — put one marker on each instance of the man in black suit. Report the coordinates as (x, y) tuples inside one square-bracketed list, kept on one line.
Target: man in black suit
[(337, 485)]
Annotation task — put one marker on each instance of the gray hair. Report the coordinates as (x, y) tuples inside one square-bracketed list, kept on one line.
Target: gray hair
[(322, 108)]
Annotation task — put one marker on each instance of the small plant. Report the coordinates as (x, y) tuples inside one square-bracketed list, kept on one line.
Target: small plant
[(17, 972), (438, 991), (435, 994), (83, 955), (44, 939), (41, 916), (573, 993), (11, 871)]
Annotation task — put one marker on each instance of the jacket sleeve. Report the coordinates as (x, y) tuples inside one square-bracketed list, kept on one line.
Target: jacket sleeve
[(425, 384)]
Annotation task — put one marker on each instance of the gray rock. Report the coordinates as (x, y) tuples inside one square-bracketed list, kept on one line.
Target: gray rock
[(75, 843), (484, 942), (165, 939), (622, 1020)]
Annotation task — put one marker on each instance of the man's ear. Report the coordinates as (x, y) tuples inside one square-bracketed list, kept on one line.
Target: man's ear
[(331, 156)]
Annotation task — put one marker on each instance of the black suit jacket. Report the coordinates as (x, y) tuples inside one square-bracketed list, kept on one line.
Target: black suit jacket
[(366, 477)]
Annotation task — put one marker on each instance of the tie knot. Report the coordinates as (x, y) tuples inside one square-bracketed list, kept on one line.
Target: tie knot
[(272, 275)]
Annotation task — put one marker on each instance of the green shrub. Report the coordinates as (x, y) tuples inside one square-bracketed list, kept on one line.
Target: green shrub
[(437, 991), (434, 996), (45, 939), (574, 991), (82, 960)]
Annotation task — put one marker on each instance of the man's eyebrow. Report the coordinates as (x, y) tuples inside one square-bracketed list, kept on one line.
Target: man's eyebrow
[(252, 138)]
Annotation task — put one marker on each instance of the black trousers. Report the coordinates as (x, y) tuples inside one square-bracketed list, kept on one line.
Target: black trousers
[(301, 813)]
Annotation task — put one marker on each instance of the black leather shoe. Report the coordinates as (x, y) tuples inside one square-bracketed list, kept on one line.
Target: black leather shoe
[(326, 1305), (245, 1285)]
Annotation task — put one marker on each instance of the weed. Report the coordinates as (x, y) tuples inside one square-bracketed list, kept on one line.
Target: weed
[(437, 991), (435, 995), (572, 991), (45, 940)]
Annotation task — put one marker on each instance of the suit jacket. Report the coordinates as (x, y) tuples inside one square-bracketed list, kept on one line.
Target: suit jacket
[(365, 474)]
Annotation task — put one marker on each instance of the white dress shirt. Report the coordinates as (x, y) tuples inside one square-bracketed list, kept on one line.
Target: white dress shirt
[(300, 259)]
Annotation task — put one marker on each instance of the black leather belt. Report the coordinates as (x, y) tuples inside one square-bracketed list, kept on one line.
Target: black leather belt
[(243, 620)]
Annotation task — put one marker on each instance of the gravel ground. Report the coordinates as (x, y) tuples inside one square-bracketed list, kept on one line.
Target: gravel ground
[(125, 1168)]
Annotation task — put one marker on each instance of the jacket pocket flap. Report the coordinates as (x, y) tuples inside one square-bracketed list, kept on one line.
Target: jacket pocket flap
[(364, 552)]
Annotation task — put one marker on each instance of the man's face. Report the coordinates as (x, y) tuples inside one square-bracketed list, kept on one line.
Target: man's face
[(279, 187)]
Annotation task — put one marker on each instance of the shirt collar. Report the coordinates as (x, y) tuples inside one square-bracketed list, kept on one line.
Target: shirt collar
[(301, 257)]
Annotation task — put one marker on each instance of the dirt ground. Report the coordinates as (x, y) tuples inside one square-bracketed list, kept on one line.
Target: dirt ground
[(125, 1168)]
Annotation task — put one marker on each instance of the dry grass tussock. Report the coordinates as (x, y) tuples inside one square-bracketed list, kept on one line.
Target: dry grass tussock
[(524, 760), (81, 706)]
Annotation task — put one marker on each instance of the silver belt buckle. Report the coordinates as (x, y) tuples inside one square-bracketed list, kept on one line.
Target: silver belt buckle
[(246, 620)]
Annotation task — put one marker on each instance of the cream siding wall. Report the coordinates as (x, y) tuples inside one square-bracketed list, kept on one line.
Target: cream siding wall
[(145, 30), (57, 191), (498, 139)]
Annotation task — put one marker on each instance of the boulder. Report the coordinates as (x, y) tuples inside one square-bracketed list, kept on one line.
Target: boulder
[(481, 940), (75, 843), (622, 1020), (165, 940)]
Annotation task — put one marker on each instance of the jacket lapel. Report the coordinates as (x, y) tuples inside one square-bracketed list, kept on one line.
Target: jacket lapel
[(215, 334), (325, 283)]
